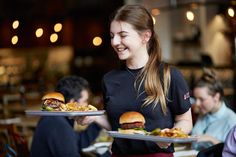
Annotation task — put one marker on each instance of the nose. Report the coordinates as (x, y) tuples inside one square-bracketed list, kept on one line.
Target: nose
[(115, 40)]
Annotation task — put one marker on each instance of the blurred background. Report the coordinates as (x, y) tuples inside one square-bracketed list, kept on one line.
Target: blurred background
[(41, 41)]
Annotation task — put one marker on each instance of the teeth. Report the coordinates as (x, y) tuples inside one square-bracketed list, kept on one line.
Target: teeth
[(120, 49)]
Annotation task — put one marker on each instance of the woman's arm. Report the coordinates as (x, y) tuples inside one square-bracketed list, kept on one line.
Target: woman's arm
[(102, 121), (184, 121), (207, 138)]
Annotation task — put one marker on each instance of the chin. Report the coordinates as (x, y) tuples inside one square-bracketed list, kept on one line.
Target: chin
[(122, 57)]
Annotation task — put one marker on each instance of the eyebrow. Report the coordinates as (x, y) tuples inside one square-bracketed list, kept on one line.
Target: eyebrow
[(120, 32)]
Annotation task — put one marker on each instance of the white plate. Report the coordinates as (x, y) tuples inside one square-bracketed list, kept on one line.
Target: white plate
[(152, 138), (102, 144), (64, 113)]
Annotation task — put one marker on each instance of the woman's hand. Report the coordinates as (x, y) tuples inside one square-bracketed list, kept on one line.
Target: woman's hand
[(85, 120), (207, 138), (163, 145)]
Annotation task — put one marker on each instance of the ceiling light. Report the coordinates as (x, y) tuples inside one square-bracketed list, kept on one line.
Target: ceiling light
[(15, 24)]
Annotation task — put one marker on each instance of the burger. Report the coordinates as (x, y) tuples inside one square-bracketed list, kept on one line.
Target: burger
[(132, 122), (53, 101)]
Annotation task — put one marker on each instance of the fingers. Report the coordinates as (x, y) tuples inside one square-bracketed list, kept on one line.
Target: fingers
[(80, 120), (84, 120), (163, 145)]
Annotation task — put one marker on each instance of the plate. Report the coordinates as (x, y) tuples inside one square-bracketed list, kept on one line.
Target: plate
[(64, 113), (99, 147), (152, 138)]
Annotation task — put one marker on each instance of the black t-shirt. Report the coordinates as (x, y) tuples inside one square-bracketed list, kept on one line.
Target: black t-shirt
[(120, 95)]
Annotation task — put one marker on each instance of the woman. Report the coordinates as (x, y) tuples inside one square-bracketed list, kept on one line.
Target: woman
[(143, 84), (215, 119)]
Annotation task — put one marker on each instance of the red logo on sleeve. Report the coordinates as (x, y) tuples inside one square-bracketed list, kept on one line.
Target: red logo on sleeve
[(186, 96)]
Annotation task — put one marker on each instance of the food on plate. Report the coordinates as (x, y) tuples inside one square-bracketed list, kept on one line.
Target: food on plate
[(174, 132), (53, 101), (132, 122), (75, 106)]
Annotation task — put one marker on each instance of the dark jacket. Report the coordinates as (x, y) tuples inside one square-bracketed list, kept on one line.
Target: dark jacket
[(55, 137)]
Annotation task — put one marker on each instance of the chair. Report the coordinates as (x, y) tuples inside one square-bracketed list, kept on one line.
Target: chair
[(15, 140), (213, 151)]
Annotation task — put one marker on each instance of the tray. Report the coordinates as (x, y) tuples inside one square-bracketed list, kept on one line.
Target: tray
[(116, 134), (64, 113)]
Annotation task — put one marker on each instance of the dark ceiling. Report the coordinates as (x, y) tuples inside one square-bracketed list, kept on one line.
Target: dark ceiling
[(82, 20), (28, 9), (55, 8), (86, 18)]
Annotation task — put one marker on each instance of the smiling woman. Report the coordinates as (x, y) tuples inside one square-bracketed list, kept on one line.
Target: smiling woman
[(132, 87)]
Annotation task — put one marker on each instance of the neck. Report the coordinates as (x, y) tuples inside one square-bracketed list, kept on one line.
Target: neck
[(137, 62), (218, 106)]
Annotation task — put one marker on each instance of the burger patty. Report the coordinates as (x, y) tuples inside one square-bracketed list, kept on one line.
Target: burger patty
[(132, 125), (53, 103)]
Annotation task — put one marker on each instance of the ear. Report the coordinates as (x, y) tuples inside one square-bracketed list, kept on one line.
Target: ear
[(146, 36), (217, 96)]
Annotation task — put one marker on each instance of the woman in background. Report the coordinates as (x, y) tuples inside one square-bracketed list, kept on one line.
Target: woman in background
[(215, 119)]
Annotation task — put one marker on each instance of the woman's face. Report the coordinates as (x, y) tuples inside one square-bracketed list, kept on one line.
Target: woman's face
[(205, 102), (126, 41)]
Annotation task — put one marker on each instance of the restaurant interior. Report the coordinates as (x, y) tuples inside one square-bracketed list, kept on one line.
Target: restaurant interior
[(42, 41)]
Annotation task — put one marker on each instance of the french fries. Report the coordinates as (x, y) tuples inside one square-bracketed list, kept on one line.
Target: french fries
[(74, 106), (173, 133)]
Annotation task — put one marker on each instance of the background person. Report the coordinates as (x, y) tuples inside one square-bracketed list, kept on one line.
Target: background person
[(144, 84), (215, 119), (54, 135)]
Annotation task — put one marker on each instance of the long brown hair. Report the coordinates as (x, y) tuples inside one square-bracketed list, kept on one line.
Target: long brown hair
[(155, 87)]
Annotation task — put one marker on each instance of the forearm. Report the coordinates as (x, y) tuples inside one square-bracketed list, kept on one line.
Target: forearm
[(208, 138), (103, 122), (184, 122), (186, 126), (214, 140)]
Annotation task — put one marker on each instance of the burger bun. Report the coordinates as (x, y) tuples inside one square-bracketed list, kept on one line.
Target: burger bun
[(54, 95), (131, 117)]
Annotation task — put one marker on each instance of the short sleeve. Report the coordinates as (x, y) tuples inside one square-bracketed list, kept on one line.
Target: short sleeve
[(179, 96), (230, 144)]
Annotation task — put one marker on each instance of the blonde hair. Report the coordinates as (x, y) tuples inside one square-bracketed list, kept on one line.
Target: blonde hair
[(155, 84)]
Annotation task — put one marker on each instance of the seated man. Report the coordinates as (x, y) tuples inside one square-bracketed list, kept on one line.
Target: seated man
[(55, 136)]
